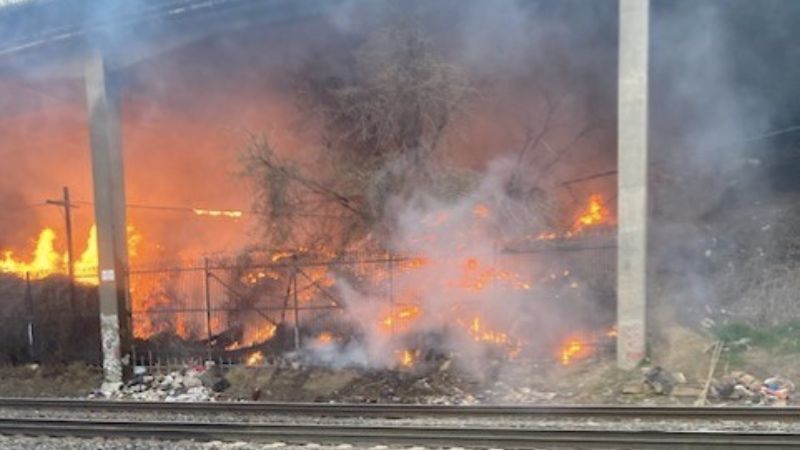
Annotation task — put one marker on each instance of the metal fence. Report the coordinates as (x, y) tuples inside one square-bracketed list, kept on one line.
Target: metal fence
[(50, 320), (218, 309)]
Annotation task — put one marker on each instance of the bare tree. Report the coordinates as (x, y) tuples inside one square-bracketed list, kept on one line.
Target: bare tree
[(384, 118)]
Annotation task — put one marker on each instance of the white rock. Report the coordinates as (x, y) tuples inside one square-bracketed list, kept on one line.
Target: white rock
[(109, 389)]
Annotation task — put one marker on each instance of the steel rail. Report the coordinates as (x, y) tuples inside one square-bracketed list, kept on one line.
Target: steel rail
[(410, 410), (522, 438)]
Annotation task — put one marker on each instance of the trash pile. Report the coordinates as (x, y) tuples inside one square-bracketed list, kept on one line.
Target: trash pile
[(191, 384), (736, 386), (740, 385), (659, 381)]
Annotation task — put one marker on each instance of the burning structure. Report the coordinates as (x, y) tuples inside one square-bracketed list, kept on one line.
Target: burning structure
[(392, 218), (371, 185)]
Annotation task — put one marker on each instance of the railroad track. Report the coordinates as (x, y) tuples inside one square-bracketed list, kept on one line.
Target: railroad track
[(483, 435), (492, 437), (408, 410)]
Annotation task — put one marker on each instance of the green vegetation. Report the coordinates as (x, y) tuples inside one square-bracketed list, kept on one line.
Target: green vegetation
[(779, 339)]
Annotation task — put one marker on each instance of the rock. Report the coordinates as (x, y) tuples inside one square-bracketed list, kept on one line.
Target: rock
[(745, 393), (192, 382), (213, 378), (747, 379), (661, 381), (634, 388), (110, 389), (687, 391), (679, 378), (725, 387)]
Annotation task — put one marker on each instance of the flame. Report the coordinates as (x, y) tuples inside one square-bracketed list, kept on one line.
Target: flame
[(475, 278), (479, 332), (255, 359), (573, 349), (403, 315), (48, 261), (254, 335), (480, 211), (45, 259), (595, 213), (325, 338), (407, 357), (231, 213)]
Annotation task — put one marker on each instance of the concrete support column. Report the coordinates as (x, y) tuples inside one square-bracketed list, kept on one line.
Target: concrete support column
[(632, 182), (109, 209)]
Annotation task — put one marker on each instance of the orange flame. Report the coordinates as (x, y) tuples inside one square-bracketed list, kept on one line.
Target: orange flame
[(572, 350), (231, 213), (400, 316), (48, 261), (325, 338), (407, 358), (480, 211), (595, 213), (254, 335), (255, 359)]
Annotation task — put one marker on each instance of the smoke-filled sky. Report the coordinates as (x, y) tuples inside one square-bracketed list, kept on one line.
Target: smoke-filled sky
[(721, 72), (186, 111)]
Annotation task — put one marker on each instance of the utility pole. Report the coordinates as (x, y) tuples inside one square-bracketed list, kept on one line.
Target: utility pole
[(632, 182), (64, 202), (109, 209)]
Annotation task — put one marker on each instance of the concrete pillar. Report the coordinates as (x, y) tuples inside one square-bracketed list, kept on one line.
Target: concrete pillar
[(632, 182), (109, 209)]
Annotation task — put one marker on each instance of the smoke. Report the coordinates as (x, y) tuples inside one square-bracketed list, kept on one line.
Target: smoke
[(720, 84), (459, 288)]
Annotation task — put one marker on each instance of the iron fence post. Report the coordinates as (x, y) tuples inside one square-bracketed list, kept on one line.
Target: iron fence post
[(207, 296), (296, 307)]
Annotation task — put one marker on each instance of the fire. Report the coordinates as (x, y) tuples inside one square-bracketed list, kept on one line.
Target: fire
[(277, 256), (255, 359), (231, 213), (479, 332), (407, 357), (595, 213), (480, 211), (253, 336), (404, 314), (48, 261), (573, 349), (325, 338), (475, 277), (45, 259)]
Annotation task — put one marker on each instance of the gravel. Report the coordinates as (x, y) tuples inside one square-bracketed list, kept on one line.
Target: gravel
[(609, 424), (31, 443)]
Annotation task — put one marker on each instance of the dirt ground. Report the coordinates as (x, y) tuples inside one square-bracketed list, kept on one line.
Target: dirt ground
[(680, 351), (74, 380)]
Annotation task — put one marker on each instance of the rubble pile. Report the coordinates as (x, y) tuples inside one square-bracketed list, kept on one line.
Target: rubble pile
[(736, 386), (744, 386), (191, 384)]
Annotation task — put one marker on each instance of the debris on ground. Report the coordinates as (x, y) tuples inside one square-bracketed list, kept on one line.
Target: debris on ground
[(192, 384), (659, 381), (740, 385), (776, 390)]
